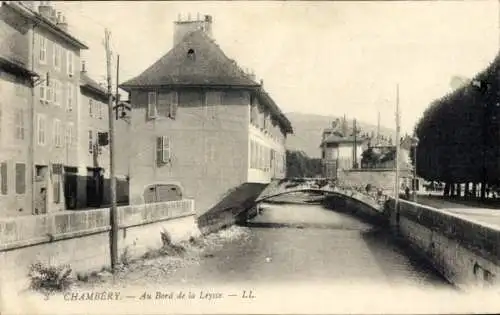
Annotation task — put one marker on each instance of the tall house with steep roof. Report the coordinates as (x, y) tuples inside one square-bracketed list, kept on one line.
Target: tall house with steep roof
[(54, 54), (201, 126)]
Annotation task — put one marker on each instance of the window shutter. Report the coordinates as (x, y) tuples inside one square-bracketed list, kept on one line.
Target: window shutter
[(152, 105), (165, 149), (159, 150), (20, 178), (173, 104), (3, 175)]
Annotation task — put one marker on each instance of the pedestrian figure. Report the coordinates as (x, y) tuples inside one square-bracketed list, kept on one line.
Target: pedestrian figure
[(41, 201), (407, 192)]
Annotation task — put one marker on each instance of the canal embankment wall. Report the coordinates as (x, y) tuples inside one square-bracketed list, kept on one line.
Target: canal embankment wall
[(464, 251), (81, 239)]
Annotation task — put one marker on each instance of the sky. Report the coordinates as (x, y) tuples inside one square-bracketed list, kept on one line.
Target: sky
[(325, 58)]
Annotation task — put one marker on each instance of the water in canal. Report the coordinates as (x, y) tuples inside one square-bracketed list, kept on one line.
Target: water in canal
[(310, 244)]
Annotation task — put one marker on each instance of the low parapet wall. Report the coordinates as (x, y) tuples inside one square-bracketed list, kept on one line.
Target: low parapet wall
[(82, 239), (466, 252)]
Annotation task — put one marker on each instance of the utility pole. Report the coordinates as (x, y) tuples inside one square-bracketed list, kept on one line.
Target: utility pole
[(378, 128), (113, 210), (355, 151), (397, 154), (117, 95)]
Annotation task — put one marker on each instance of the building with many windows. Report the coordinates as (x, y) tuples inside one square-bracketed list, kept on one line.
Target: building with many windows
[(16, 81), (54, 54), (202, 126)]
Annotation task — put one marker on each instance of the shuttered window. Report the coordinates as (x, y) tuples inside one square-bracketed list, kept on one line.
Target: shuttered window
[(163, 150), (3, 175), (20, 178), (56, 181), (167, 104), (152, 105), (174, 102)]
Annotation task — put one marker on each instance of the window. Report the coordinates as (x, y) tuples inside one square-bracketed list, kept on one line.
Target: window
[(163, 150), (209, 150), (69, 62), (42, 57), (69, 101), (91, 107), (69, 134), (57, 136), (50, 91), (174, 102), (56, 181), (41, 129), (56, 92), (19, 124), (101, 110), (20, 178), (3, 175), (43, 91), (91, 143), (57, 55), (151, 105), (1, 122)]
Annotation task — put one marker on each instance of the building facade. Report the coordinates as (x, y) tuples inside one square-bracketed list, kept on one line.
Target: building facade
[(93, 180), (201, 126), (340, 152), (16, 81)]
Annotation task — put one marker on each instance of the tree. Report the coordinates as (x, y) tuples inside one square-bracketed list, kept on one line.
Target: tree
[(299, 165), (459, 134)]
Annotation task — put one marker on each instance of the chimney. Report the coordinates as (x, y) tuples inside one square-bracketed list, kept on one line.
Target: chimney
[(45, 9), (62, 23), (185, 27), (84, 70), (261, 83), (53, 16)]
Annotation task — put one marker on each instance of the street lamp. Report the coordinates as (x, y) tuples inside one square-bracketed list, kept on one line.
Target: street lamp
[(415, 145)]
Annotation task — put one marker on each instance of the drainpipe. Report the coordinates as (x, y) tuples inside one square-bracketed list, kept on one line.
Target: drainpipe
[(33, 124)]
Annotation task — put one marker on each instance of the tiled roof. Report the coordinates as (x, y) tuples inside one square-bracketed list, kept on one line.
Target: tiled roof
[(208, 66), (90, 84)]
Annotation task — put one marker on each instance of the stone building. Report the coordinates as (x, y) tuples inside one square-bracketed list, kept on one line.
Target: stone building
[(202, 126)]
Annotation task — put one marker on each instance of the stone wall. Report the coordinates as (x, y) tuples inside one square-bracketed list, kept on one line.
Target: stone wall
[(464, 251), (82, 238)]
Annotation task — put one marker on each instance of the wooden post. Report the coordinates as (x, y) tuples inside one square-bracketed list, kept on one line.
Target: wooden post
[(113, 212), (397, 155)]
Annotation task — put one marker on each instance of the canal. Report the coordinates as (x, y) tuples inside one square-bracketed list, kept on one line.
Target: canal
[(309, 244)]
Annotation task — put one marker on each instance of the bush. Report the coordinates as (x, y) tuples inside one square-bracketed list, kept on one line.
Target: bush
[(51, 278)]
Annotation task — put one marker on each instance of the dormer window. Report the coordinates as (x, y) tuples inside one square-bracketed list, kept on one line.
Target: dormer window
[(190, 54)]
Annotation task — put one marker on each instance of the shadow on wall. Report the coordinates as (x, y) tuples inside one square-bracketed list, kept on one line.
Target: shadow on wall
[(231, 206)]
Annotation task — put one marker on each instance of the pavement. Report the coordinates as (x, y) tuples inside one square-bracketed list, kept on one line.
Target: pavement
[(486, 212)]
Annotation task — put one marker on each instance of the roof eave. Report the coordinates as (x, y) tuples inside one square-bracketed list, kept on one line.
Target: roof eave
[(128, 87), (36, 17), (16, 68)]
